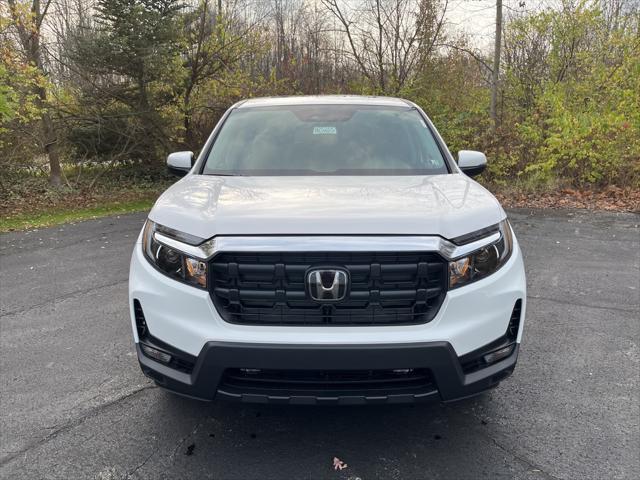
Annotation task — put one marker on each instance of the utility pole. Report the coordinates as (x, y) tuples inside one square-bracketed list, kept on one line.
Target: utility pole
[(495, 76)]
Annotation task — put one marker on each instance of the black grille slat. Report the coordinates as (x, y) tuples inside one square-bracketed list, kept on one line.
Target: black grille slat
[(386, 288), (326, 380)]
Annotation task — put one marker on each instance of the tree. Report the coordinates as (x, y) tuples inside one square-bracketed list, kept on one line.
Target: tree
[(28, 24), (213, 42), (131, 58), (390, 40), (124, 81)]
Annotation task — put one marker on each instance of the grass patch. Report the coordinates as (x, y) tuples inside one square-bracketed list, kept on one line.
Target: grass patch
[(28, 201), (56, 217)]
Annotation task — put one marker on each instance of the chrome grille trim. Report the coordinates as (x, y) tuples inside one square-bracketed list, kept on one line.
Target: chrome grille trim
[(328, 243)]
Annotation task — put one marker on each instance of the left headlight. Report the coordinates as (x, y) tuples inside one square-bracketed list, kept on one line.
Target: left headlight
[(172, 262), (484, 261)]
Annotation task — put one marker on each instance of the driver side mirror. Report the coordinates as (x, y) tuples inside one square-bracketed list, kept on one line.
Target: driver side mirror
[(179, 163), (471, 162)]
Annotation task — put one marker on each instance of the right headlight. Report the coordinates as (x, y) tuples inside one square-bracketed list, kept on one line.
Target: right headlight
[(484, 261), (172, 262)]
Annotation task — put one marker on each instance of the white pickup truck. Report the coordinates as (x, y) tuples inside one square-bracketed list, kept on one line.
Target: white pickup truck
[(327, 250)]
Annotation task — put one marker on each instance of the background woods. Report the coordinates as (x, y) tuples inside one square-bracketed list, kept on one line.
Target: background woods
[(94, 93)]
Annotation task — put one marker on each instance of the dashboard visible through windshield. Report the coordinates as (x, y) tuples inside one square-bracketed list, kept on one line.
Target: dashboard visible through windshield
[(325, 140)]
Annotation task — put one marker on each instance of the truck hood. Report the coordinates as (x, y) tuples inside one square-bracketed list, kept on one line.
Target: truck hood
[(446, 205)]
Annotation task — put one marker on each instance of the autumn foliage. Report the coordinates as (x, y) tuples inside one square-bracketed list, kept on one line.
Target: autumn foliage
[(124, 82)]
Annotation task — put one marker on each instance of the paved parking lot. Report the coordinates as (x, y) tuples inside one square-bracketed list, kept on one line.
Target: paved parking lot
[(74, 404)]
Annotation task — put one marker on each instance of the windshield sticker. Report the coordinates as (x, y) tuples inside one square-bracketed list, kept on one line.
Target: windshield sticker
[(324, 130)]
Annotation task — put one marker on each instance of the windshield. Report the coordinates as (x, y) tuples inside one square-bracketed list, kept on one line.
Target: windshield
[(325, 140)]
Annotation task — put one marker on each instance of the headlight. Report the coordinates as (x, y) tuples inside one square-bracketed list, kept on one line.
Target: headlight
[(172, 262), (484, 261)]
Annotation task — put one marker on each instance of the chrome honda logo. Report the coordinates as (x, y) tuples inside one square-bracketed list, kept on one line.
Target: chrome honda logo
[(327, 284)]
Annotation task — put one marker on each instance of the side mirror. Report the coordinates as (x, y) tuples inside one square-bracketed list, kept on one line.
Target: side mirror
[(179, 163), (471, 162)]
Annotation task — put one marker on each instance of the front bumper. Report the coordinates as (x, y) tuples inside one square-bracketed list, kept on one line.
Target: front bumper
[(446, 380), (183, 318)]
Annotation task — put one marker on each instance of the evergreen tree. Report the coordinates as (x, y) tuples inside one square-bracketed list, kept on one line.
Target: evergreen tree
[(135, 54)]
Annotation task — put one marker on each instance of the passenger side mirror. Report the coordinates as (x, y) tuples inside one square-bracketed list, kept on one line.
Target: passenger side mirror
[(179, 163), (471, 162)]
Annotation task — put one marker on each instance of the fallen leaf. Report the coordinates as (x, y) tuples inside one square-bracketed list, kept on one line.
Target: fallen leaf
[(338, 464)]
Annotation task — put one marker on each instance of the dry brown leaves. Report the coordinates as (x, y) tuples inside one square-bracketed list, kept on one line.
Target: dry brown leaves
[(611, 198)]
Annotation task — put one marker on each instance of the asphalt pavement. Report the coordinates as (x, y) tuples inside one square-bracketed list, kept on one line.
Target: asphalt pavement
[(74, 404)]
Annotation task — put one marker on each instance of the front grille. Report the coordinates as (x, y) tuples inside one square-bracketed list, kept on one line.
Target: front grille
[(326, 382), (386, 288)]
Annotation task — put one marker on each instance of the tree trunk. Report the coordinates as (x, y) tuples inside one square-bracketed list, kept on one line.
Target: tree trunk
[(49, 137), (48, 130), (51, 149), (188, 136), (495, 76)]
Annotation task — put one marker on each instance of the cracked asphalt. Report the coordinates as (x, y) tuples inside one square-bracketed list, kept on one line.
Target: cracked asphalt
[(74, 404)]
